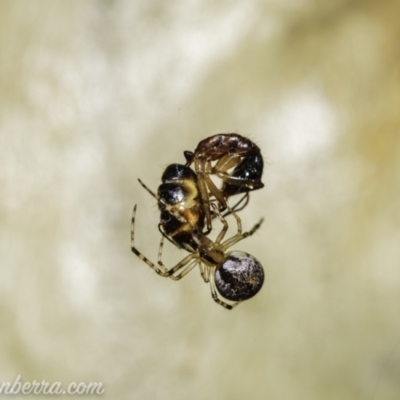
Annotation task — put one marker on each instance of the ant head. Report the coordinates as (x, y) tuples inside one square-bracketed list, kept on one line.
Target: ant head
[(239, 277)]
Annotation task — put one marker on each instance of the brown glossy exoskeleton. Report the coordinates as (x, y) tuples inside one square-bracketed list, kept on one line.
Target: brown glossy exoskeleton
[(239, 164), (233, 276)]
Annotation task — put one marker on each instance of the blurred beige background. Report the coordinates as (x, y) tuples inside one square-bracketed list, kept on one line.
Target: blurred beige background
[(94, 94)]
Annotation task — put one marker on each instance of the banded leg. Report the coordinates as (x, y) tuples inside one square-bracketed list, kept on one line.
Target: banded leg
[(151, 192), (165, 235), (205, 272), (164, 271), (160, 264), (184, 263), (135, 250), (185, 271), (214, 294)]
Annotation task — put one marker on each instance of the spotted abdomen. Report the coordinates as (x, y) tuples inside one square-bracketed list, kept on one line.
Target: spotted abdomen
[(239, 277)]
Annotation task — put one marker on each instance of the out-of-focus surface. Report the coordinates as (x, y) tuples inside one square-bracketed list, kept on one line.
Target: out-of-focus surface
[(94, 94)]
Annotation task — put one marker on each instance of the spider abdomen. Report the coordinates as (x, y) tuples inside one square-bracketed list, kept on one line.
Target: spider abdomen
[(239, 277)]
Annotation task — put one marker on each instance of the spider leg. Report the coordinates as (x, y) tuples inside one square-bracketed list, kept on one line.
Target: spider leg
[(204, 195), (207, 188), (152, 193), (185, 271), (225, 225), (238, 221), (164, 271), (205, 272), (214, 295), (214, 190), (160, 248), (245, 198), (236, 180), (225, 163), (166, 236), (187, 260), (240, 236), (136, 251), (149, 190)]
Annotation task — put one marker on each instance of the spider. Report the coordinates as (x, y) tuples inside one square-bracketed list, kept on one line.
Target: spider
[(239, 165), (235, 276)]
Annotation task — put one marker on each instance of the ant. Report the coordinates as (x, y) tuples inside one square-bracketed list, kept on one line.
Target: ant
[(231, 151), (235, 276)]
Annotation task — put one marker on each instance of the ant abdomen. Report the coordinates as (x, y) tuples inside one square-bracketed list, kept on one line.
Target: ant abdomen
[(239, 277)]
